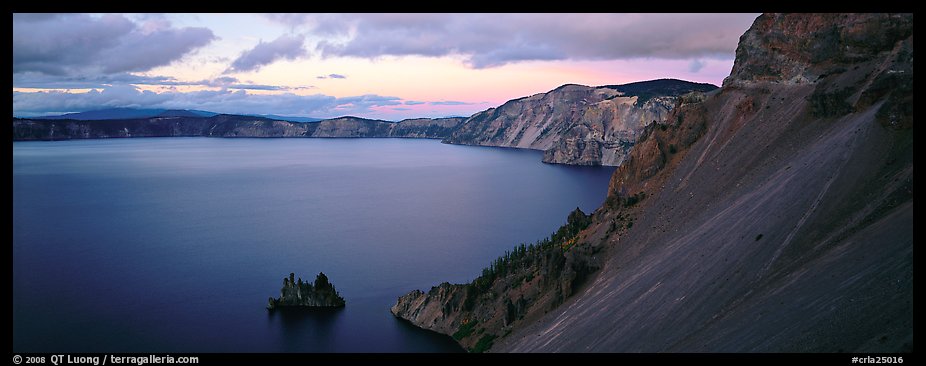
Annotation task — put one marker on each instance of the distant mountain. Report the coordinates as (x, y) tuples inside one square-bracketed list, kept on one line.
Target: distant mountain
[(185, 113), (129, 113), (110, 113), (133, 113)]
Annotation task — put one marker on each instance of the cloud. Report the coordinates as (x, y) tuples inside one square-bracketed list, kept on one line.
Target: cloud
[(57, 101), (488, 40), (233, 83), (451, 102), (696, 65), (364, 103), (222, 81), (221, 101), (287, 47), (257, 87), (33, 79), (413, 102), (42, 81), (331, 76), (80, 44)]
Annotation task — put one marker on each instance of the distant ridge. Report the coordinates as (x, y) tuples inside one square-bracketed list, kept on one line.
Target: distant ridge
[(186, 123), (142, 113), (110, 113), (185, 113)]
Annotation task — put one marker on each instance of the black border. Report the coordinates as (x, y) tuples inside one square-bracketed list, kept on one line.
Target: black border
[(786, 359)]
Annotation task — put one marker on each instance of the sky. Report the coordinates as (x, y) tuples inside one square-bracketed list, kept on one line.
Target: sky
[(382, 66)]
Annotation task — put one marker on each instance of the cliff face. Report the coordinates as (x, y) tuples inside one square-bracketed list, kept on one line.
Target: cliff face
[(411, 128), (576, 124), (229, 126), (802, 48), (775, 215), (784, 219)]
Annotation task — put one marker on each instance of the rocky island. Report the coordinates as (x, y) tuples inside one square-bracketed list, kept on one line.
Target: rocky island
[(299, 293)]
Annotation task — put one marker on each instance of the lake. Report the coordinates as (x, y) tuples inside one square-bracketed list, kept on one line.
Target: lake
[(175, 244)]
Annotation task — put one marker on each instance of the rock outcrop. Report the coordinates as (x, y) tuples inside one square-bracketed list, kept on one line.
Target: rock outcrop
[(296, 293), (224, 125), (775, 215), (576, 124), (524, 284)]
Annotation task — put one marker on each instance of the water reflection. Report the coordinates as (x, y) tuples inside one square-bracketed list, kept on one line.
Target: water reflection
[(438, 342), (305, 329)]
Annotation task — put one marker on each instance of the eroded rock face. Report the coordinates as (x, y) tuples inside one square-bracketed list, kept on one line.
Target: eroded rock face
[(576, 124), (800, 48)]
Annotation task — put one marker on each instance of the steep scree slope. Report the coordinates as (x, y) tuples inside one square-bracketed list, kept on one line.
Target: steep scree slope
[(786, 226)]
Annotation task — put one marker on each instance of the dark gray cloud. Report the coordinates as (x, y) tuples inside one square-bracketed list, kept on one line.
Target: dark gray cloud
[(486, 40), (221, 101), (39, 80), (33, 79), (81, 44), (287, 46)]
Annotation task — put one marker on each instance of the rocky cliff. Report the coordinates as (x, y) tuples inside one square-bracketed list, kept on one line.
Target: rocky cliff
[(526, 282), (230, 126), (775, 215), (321, 294), (576, 124)]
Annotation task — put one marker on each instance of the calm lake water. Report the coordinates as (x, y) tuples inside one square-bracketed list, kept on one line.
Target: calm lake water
[(175, 244)]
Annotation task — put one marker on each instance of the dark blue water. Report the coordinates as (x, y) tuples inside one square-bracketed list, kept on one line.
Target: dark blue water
[(175, 244)]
